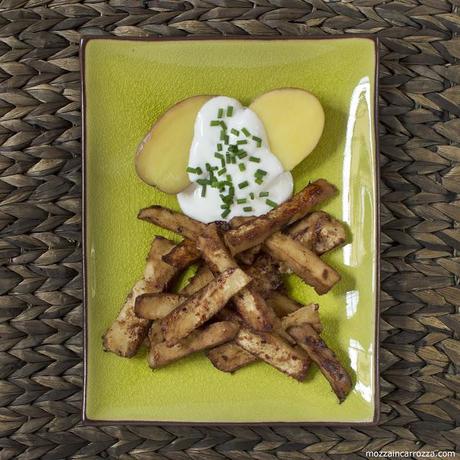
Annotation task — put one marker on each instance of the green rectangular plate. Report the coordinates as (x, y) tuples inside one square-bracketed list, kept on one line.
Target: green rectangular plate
[(127, 85)]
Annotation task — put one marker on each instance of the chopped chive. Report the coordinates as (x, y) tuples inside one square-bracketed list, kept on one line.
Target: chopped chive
[(257, 140), (224, 206), (222, 162), (247, 209), (245, 132), (235, 132), (220, 113), (219, 155), (221, 171), (242, 167), (243, 184), (228, 158), (229, 178), (241, 154), (203, 191), (226, 140), (232, 148), (225, 213), (252, 195), (259, 181), (202, 182), (222, 135), (215, 123), (261, 172), (219, 147), (263, 194), (229, 111), (242, 142), (222, 123), (196, 170), (254, 159), (271, 203), (241, 200)]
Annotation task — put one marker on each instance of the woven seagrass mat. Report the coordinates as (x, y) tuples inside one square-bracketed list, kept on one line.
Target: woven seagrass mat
[(40, 222)]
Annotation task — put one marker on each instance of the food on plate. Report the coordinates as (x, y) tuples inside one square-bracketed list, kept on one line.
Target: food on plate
[(275, 351), (249, 303), (201, 339), (203, 305), (303, 262), (202, 277), (319, 232), (256, 231), (294, 121), (162, 156), (172, 220), (307, 338), (157, 305), (126, 334), (230, 167), (230, 357)]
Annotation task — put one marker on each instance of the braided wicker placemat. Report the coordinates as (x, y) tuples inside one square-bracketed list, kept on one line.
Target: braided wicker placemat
[(40, 222)]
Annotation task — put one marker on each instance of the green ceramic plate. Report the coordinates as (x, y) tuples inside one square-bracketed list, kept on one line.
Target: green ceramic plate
[(128, 84)]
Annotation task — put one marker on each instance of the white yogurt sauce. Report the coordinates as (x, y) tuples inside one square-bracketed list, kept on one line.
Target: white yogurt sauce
[(237, 175)]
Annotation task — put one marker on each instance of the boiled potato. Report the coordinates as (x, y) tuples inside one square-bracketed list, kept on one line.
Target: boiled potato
[(293, 120), (162, 157)]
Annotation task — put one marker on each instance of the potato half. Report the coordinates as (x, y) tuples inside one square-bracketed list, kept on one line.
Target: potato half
[(162, 156), (293, 120)]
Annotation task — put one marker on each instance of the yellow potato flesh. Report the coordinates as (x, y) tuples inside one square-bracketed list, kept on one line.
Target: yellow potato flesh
[(293, 120), (162, 157)]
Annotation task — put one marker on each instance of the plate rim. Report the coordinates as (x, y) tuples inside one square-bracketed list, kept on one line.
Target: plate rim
[(85, 420)]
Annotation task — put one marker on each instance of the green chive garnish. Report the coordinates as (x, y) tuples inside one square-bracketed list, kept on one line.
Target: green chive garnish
[(263, 194), (245, 132), (224, 206), (196, 170), (229, 111), (225, 213), (203, 191), (220, 113), (271, 203), (202, 182), (243, 184), (242, 142), (226, 140), (222, 171), (215, 123), (242, 167), (252, 195), (241, 154), (219, 147), (254, 159), (259, 181), (219, 155), (222, 123), (241, 200), (247, 209), (222, 135), (260, 172), (257, 140), (235, 132)]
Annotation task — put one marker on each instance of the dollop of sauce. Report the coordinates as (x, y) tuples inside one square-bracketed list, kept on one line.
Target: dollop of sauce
[(232, 170)]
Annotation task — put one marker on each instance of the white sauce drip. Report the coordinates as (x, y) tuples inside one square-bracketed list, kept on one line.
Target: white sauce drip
[(277, 182)]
